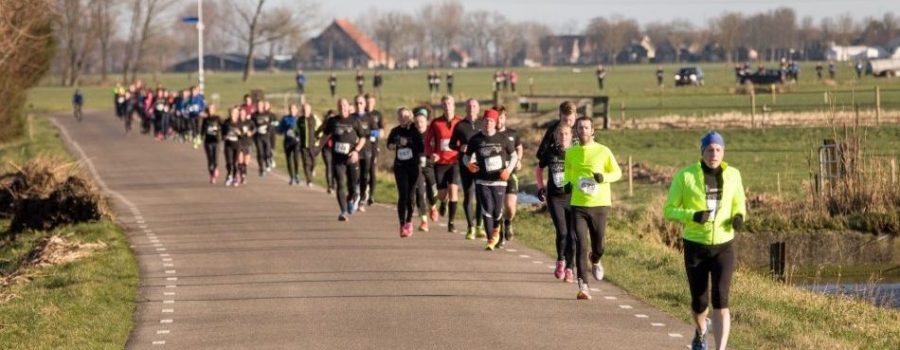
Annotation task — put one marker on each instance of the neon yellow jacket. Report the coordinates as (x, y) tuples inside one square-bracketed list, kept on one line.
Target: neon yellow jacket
[(580, 165), (687, 195)]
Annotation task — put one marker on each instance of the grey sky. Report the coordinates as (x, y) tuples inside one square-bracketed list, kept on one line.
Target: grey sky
[(567, 15)]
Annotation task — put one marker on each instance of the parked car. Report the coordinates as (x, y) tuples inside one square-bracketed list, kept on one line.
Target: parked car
[(689, 76), (764, 77), (887, 67)]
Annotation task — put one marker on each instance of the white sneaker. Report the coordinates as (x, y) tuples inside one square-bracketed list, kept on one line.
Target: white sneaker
[(228, 181), (597, 269)]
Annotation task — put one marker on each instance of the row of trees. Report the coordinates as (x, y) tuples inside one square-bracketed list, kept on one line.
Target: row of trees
[(146, 35)]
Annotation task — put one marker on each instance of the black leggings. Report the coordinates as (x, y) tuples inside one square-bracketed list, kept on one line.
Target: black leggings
[(195, 126), (491, 199), (588, 220), (702, 262), (291, 151), (309, 162), (346, 177), (372, 171), (232, 150), (561, 214), (263, 151), (365, 168), (211, 159), (407, 177), (328, 158), (473, 219), (426, 190)]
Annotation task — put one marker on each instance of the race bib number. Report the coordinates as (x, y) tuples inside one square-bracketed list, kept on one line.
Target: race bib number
[(232, 138), (559, 179), (423, 162), (121, 100), (212, 131), (404, 153), (492, 164), (445, 145), (587, 186), (372, 139), (262, 129), (160, 107), (342, 147), (290, 133), (194, 108)]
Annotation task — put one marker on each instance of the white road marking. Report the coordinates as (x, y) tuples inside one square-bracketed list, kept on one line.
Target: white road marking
[(641, 316), (551, 267), (159, 342), (170, 286), (166, 320), (609, 298), (168, 293), (160, 249), (656, 324), (537, 262), (171, 278), (676, 335), (168, 311), (523, 256), (511, 250), (170, 271), (142, 226), (162, 331), (168, 301), (167, 259), (157, 244), (164, 254), (625, 306), (168, 265)]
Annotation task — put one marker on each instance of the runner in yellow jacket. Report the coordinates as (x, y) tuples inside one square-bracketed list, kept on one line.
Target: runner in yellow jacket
[(708, 198), (589, 169)]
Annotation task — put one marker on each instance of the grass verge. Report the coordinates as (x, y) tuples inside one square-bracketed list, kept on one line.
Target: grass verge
[(85, 304)]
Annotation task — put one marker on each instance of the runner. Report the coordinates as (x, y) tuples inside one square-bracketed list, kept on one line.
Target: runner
[(288, 128), (246, 131), (230, 135), (366, 159), (262, 119), (601, 75), (426, 188), (77, 104), (349, 140), (659, 76), (212, 129), (377, 82), (446, 169), (273, 124), (491, 156), (590, 168), (551, 155), (450, 83), (407, 143), (332, 83), (300, 79), (707, 197), (462, 134), (512, 186), (326, 146), (160, 111), (307, 125), (119, 100), (360, 82), (197, 105), (375, 131)]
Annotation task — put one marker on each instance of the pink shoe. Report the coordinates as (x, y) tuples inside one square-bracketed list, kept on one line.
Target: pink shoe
[(570, 276), (402, 230), (560, 270), (408, 227)]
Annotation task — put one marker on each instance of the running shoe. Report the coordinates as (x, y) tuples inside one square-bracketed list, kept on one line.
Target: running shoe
[(570, 276), (370, 201), (433, 214), (508, 234), (443, 209), (481, 233), (493, 240), (597, 271), (215, 175), (273, 163), (560, 271), (309, 184), (362, 208), (699, 341), (470, 234), (402, 230), (451, 227), (342, 217), (423, 226), (229, 181), (584, 293), (212, 180), (408, 228), (351, 207)]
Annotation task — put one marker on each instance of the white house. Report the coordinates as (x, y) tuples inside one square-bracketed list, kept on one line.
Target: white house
[(852, 53)]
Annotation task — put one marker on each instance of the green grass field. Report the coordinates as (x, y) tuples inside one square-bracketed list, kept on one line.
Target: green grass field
[(86, 304)]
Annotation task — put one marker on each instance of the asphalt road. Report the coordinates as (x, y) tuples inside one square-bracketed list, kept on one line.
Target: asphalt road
[(268, 266)]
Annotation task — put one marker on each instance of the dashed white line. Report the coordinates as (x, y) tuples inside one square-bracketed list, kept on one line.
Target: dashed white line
[(163, 331), (625, 306), (537, 262), (167, 259), (157, 244), (656, 324), (523, 256), (160, 249), (164, 255), (609, 298), (595, 289), (170, 286), (166, 320), (168, 311), (170, 271), (142, 226), (168, 301), (168, 293), (168, 265), (676, 335), (641, 316), (159, 342), (171, 278), (511, 250)]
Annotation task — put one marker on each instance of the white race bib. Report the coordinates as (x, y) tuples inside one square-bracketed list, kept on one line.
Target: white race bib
[(423, 162), (262, 129), (194, 108), (212, 131), (232, 138), (404, 153), (372, 139), (559, 179), (445, 145), (587, 186), (160, 107), (290, 133), (493, 164), (121, 99), (342, 147)]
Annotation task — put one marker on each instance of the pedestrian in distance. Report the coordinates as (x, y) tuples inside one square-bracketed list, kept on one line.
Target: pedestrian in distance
[(707, 197)]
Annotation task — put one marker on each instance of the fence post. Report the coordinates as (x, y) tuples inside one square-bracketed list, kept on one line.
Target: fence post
[(877, 105), (630, 178), (776, 260), (622, 111)]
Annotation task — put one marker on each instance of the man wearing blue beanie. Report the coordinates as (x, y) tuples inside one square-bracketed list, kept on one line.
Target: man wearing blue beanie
[(707, 197)]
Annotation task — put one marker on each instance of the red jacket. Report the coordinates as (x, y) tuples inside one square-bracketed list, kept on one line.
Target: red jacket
[(437, 140)]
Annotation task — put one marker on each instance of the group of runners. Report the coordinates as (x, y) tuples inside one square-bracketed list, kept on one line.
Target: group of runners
[(435, 157)]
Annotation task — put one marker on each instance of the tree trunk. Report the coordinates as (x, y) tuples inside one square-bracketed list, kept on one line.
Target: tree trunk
[(145, 30), (251, 41)]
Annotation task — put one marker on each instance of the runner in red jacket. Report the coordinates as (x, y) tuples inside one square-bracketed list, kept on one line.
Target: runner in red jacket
[(446, 169)]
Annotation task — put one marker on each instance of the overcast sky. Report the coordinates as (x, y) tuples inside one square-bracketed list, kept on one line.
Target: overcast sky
[(567, 15)]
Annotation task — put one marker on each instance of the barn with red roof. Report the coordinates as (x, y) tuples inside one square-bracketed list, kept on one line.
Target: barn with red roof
[(344, 46)]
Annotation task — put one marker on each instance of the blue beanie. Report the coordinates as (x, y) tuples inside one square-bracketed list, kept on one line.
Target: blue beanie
[(711, 138)]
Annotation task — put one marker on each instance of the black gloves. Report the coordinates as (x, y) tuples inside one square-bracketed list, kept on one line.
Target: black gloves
[(598, 177), (737, 222), (567, 188), (542, 194), (701, 216)]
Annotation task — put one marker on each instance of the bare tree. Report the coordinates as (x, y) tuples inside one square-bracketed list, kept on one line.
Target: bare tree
[(76, 29), (478, 30), (261, 26), (103, 14), (727, 30), (613, 34), (144, 12), (390, 29)]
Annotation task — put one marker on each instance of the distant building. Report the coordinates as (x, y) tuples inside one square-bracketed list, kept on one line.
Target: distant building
[(852, 53), (343, 46), (459, 58), (566, 50), (233, 62)]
